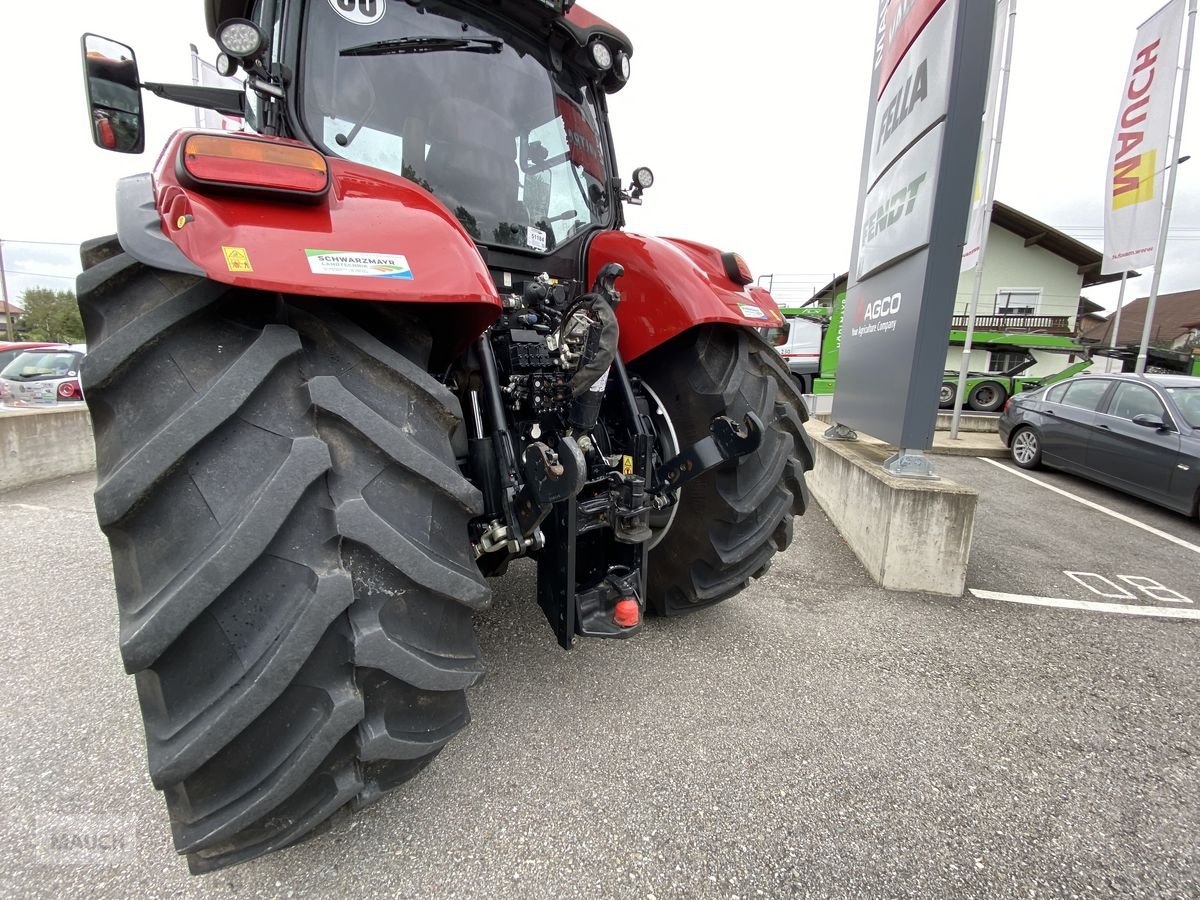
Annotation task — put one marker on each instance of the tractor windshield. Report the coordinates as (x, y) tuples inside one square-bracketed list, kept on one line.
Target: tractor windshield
[(474, 116)]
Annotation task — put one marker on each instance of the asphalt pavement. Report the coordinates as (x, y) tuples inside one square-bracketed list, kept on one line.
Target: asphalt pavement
[(816, 736)]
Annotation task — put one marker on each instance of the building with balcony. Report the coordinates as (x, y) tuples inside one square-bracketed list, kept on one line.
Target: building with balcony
[(1032, 283)]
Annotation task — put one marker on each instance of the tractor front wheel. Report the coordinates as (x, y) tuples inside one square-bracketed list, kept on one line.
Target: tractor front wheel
[(732, 520)]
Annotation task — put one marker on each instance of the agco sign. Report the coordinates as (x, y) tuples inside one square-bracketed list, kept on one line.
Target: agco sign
[(919, 153), (888, 306), (877, 316)]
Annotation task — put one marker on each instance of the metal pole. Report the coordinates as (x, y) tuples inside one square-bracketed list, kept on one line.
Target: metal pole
[(990, 196), (196, 80), (1117, 321), (9, 324), (1144, 349)]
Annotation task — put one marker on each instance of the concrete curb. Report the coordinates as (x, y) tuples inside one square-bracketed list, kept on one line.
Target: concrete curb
[(43, 444)]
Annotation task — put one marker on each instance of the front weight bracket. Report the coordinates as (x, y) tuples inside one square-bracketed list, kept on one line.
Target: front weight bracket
[(727, 440)]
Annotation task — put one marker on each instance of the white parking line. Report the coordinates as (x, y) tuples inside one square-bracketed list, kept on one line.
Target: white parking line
[(1096, 506), (1121, 609)]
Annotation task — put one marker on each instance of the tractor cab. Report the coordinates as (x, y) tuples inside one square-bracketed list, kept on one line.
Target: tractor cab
[(496, 109)]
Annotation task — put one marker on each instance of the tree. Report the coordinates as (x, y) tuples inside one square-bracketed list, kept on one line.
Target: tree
[(50, 316)]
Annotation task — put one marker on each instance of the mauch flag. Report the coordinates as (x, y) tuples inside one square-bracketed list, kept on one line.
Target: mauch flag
[(1133, 202), (206, 74)]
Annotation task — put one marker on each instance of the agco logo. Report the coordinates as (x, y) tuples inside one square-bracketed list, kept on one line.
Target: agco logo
[(880, 309)]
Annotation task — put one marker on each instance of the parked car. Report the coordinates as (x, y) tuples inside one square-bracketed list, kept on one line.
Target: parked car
[(1137, 433), (798, 341), (42, 377), (10, 350)]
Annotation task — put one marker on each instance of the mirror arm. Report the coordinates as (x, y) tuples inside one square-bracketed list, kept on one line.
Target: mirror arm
[(222, 100), (265, 88)]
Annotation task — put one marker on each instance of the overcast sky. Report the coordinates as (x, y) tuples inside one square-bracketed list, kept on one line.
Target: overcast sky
[(751, 115)]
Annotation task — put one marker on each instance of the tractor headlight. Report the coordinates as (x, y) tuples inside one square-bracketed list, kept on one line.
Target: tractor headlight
[(241, 38), (643, 178), (623, 66), (602, 57)]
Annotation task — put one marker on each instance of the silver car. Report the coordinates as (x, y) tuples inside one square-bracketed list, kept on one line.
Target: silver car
[(42, 378)]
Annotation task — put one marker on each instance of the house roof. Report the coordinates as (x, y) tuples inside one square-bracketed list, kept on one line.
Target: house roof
[(1087, 260), (9, 307), (1174, 315)]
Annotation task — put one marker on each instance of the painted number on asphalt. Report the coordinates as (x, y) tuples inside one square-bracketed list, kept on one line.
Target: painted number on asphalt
[(1110, 590)]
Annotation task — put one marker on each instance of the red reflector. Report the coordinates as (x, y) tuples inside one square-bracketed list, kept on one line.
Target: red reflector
[(254, 163), (628, 613), (108, 137), (69, 389)]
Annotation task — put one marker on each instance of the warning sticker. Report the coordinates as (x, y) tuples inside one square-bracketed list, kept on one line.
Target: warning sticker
[(365, 265), (752, 312), (360, 12), (237, 259), (626, 465)]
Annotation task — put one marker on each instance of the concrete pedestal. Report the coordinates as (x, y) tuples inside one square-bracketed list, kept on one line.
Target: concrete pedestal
[(910, 535)]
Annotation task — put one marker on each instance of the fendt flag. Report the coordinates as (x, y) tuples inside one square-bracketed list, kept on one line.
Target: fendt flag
[(1137, 163)]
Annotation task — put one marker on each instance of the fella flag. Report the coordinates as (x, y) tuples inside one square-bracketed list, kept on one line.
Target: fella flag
[(1140, 155)]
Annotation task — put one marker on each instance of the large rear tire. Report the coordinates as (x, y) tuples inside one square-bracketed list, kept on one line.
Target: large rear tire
[(288, 526), (732, 520)]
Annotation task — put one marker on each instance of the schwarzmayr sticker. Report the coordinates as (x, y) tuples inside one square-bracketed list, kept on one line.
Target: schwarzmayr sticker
[(365, 265)]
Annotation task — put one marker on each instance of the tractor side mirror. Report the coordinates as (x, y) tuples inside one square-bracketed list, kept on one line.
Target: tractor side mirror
[(114, 93)]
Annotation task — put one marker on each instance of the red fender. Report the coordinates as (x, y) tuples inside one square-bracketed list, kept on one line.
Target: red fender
[(252, 243), (672, 285)]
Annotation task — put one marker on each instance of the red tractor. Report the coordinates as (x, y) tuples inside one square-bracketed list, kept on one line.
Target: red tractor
[(351, 363)]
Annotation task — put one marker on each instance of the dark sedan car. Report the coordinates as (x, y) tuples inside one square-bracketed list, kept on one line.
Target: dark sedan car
[(1139, 434)]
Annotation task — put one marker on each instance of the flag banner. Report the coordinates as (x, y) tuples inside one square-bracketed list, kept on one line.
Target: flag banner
[(205, 74), (983, 166), (1136, 178)]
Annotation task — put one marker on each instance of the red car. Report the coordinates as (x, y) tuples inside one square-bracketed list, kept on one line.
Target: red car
[(42, 376)]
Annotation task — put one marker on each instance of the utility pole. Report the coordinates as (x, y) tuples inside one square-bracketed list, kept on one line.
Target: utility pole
[(9, 323)]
